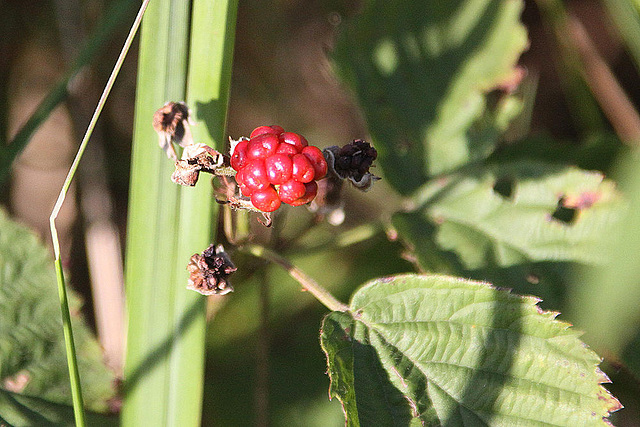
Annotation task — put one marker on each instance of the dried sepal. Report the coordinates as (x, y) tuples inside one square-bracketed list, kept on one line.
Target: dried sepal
[(228, 193), (171, 122), (241, 203), (186, 173), (234, 142), (266, 220), (209, 271)]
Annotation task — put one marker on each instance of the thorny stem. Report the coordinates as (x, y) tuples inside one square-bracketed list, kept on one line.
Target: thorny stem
[(76, 390), (320, 293)]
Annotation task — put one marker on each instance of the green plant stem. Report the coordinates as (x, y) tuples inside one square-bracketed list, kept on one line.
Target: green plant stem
[(320, 293), (76, 390), (70, 347)]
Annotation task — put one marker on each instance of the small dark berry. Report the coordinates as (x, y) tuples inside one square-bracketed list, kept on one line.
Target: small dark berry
[(354, 159)]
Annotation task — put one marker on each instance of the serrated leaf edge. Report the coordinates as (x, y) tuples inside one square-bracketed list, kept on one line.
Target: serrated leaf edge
[(530, 302)]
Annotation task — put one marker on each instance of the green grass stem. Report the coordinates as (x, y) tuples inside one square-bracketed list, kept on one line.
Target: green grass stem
[(76, 390)]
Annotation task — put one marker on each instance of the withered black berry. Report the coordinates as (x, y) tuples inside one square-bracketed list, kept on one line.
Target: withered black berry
[(209, 271), (354, 159)]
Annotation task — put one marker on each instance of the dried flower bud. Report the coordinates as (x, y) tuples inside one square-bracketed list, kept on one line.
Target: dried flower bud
[(171, 122), (196, 158), (186, 173), (352, 162), (208, 271)]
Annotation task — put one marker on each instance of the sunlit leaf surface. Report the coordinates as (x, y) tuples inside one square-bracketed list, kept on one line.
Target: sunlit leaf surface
[(456, 352)]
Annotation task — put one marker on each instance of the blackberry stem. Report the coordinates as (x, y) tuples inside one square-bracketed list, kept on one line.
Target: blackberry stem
[(308, 284)]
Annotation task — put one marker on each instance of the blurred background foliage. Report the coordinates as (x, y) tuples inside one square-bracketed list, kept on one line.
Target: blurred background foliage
[(274, 373)]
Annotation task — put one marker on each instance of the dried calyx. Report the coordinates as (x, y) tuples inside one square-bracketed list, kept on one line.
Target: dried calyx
[(209, 271), (196, 158), (171, 122)]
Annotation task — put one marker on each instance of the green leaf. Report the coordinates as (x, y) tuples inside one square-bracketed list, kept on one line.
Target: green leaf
[(512, 214), (461, 353), (358, 379), (20, 410), (421, 70), (597, 152), (32, 351)]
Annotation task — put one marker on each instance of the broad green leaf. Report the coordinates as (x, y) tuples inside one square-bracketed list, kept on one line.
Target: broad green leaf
[(32, 353), (26, 411), (450, 351), (421, 72), (597, 152), (547, 279), (512, 214)]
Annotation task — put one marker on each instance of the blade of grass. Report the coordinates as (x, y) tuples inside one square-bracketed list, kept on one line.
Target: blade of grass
[(164, 367), (210, 60), (76, 392), (153, 223), (114, 17)]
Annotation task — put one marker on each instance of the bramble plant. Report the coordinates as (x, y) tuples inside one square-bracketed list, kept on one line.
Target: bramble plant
[(447, 344)]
